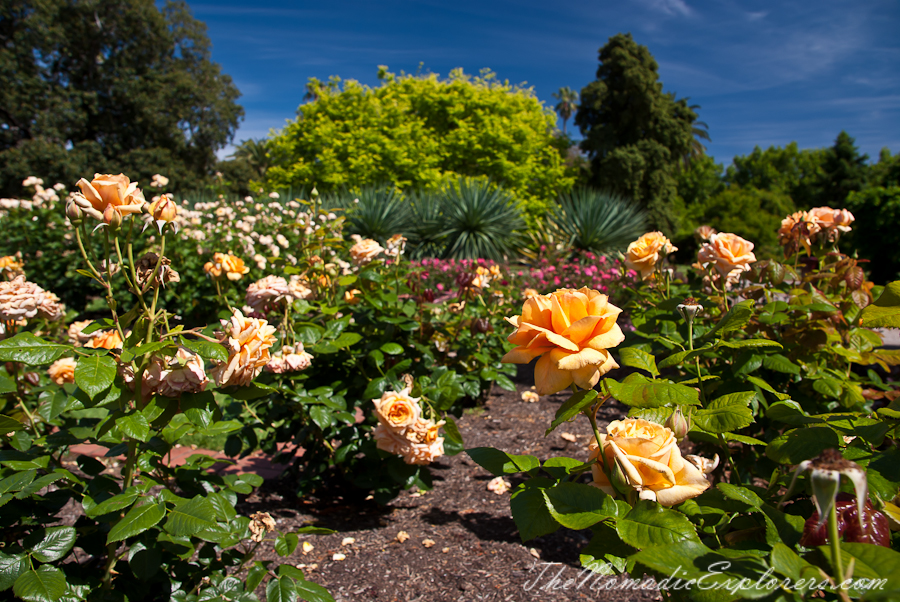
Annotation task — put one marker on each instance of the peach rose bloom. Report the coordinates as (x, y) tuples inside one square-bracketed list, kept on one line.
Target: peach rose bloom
[(730, 253), (572, 332), (289, 359), (397, 409), (704, 233), (163, 208), (226, 263), (365, 250), (74, 333), (650, 462), (107, 190), (832, 221), (268, 292), (248, 341), (528, 293), (62, 371), (173, 376), (424, 453), (643, 254), (352, 296), (105, 339), (20, 299)]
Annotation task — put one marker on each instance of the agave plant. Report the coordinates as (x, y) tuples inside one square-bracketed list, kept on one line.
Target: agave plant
[(479, 219), (381, 212), (426, 227), (591, 220)]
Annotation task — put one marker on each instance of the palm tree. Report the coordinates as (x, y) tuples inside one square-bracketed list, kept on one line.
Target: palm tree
[(568, 103), (255, 153), (699, 131)]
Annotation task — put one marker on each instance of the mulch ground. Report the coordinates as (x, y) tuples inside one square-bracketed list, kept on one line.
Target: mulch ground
[(476, 552)]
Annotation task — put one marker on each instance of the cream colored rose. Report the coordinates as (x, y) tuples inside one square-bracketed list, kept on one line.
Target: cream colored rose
[(646, 455), (365, 250), (75, 333), (397, 409), (395, 245), (643, 254), (108, 191), (729, 253), (248, 341), (172, 376), (62, 371), (20, 299), (571, 331), (51, 308), (290, 358), (268, 292)]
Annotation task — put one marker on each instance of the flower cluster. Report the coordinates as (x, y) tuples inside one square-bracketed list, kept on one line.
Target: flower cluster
[(816, 226), (225, 263), (172, 376), (290, 358), (21, 300), (401, 429)]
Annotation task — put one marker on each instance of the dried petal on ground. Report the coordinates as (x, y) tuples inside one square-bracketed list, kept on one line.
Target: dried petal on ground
[(498, 485), (348, 541), (569, 437), (402, 536), (428, 543)]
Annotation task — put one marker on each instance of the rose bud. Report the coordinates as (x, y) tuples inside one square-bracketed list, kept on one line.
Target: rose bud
[(678, 424), (163, 209), (873, 528), (775, 273), (689, 309), (112, 217), (74, 213), (428, 296), (481, 325)]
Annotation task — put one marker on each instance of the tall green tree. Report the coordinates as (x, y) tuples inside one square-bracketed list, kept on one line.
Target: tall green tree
[(110, 86), (845, 171), (634, 133), (567, 105), (256, 154), (422, 132)]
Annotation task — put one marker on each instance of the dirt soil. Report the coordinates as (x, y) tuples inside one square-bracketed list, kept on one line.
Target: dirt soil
[(463, 544)]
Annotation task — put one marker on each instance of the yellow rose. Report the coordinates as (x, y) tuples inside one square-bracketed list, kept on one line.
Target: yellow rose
[(397, 410), (571, 331), (352, 296), (649, 460), (107, 191), (643, 254), (730, 254)]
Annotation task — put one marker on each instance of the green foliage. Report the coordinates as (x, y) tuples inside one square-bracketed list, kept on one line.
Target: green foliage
[(634, 133), (84, 73), (748, 212), (796, 173), (479, 219), (414, 131), (377, 211), (590, 220), (845, 171), (876, 232), (887, 171)]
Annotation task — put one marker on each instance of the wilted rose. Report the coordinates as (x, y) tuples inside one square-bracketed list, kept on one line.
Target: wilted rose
[(647, 458), (290, 358), (571, 331)]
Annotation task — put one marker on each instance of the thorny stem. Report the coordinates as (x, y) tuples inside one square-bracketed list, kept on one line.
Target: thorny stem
[(84, 255)]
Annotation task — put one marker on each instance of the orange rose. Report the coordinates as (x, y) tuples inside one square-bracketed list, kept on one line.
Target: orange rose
[(730, 253), (571, 331), (248, 341), (108, 191), (105, 339), (647, 458), (798, 228), (226, 263), (643, 254), (397, 410), (62, 371)]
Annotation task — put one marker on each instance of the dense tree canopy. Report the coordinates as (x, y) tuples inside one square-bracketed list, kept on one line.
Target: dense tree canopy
[(109, 86), (634, 133), (419, 131), (797, 173)]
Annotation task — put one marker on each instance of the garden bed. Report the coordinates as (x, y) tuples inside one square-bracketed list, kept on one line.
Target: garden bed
[(477, 554)]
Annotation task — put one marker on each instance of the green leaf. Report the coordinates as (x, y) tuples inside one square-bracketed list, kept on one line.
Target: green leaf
[(113, 504), (638, 358), (736, 318), (766, 387), (95, 374), (56, 544), (312, 592), (255, 575), (885, 311), (206, 349), (829, 387), (10, 425), (452, 431), (725, 414), (579, 506), (683, 356), (798, 445), (870, 562), (152, 347), (134, 426), (10, 569), (750, 344), (572, 407), (138, 520), (322, 416), (286, 543), (642, 393), (790, 412), (779, 363), (314, 531), (529, 510), (42, 585), (281, 590), (392, 348), (29, 349), (144, 562), (649, 524), (190, 517), (499, 463), (347, 339)]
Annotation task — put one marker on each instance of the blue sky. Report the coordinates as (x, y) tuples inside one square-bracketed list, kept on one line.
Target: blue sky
[(764, 73)]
